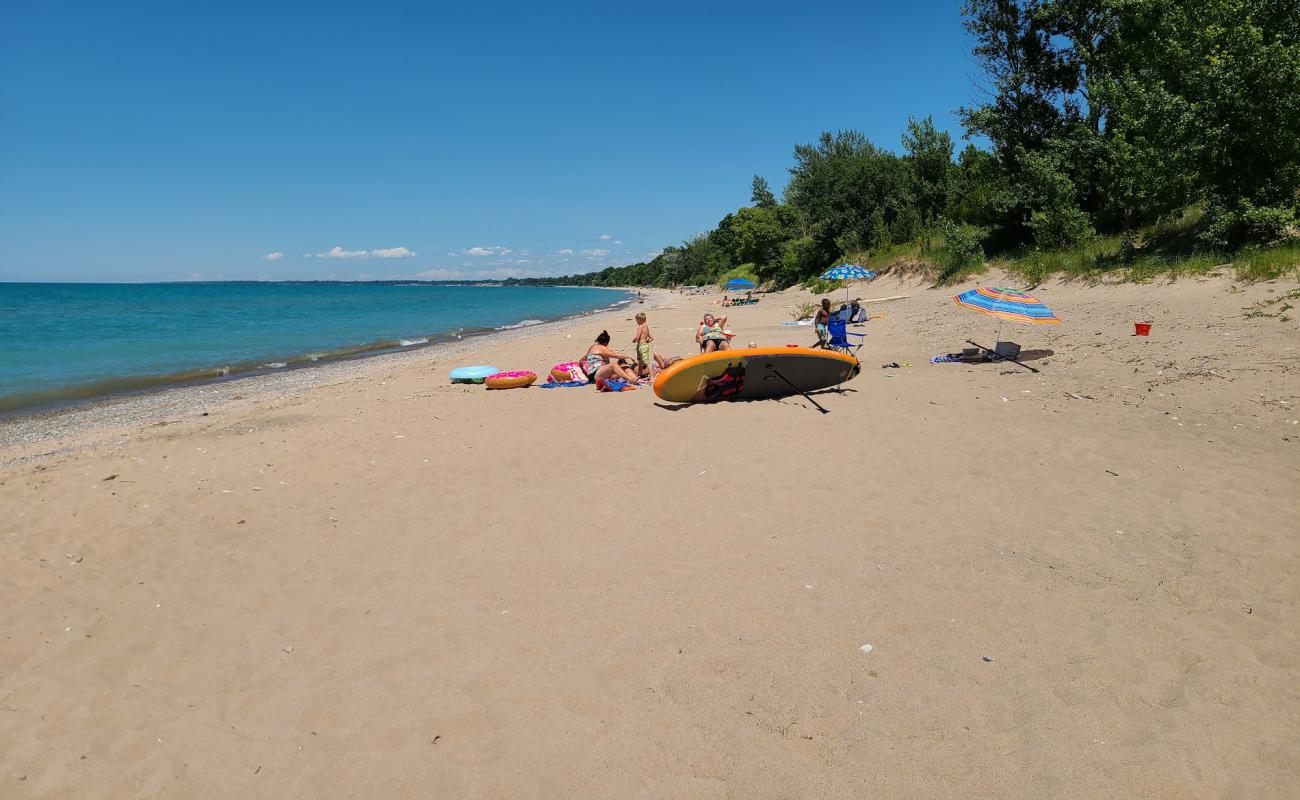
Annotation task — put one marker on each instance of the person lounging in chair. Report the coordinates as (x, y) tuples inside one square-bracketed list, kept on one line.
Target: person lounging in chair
[(710, 335)]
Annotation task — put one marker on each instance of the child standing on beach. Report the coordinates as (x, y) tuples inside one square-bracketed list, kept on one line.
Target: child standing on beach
[(642, 340), (820, 321), (646, 357)]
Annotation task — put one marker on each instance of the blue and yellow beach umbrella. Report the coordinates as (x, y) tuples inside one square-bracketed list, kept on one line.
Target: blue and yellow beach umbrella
[(846, 273)]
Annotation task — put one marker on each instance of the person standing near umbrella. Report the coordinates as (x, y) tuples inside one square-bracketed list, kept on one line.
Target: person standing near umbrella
[(820, 322)]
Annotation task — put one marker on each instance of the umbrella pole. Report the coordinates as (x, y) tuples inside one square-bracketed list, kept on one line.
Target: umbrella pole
[(997, 341)]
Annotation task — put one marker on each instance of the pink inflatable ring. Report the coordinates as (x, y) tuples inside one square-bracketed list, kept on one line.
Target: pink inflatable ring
[(568, 371), (510, 380)]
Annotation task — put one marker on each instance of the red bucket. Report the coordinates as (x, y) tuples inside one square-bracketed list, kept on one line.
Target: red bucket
[(1141, 328)]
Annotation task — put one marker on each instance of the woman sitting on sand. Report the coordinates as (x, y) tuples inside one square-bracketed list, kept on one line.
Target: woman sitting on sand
[(601, 363), (710, 334)]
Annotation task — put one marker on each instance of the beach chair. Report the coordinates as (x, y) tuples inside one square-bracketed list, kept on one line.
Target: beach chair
[(837, 330)]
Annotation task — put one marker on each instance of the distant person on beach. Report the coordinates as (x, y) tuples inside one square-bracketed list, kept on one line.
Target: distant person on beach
[(710, 335), (601, 363), (819, 322)]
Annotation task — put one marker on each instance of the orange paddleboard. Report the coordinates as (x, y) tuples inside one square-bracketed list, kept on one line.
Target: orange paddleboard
[(753, 374)]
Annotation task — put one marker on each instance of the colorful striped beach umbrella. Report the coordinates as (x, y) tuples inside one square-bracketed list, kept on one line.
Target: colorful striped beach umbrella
[(1007, 305), (846, 273)]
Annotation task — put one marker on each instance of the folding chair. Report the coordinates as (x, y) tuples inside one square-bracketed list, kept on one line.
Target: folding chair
[(837, 330)]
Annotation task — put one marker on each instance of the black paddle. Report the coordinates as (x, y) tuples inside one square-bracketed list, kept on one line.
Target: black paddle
[(774, 371)]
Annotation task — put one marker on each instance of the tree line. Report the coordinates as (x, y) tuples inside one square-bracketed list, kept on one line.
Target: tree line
[(1099, 117)]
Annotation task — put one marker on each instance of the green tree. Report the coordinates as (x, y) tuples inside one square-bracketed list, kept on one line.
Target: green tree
[(929, 155), (852, 193), (758, 235), (1142, 106), (760, 195)]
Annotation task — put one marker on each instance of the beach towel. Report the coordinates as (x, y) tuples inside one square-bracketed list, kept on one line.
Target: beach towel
[(554, 384)]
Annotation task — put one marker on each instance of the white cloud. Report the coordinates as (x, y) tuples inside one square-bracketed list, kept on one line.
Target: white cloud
[(392, 252), (523, 261), (486, 251), (568, 251), (605, 237), (618, 241), (385, 252), (654, 254), (276, 256), (595, 253), (339, 252)]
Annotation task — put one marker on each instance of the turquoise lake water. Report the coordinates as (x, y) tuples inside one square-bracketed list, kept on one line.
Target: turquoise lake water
[(63, 342)]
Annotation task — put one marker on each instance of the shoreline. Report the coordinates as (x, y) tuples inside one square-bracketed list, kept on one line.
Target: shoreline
[(74, 397), (132, 408)]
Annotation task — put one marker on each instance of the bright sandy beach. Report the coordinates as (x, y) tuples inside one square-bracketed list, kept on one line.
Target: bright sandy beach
[(363, 581)]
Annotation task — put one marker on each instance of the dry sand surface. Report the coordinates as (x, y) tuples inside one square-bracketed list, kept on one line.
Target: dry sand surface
[(1079, 582)]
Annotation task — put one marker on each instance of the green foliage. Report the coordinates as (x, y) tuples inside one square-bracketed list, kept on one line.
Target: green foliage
[(1105, 121), (884, 257), (929, 155), (1269, 263), (1127, 111), (760, 194), (800, 258), (818, 286), (1228, 226), (961, 251), (803, 311), (745, 271), (852, 192), (757, 236), (1060, 227)]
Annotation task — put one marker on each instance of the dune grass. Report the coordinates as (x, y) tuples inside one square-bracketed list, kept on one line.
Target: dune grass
[(1170, 249)]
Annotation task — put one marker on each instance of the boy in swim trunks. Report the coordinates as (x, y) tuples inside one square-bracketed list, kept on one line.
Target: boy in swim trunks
[(642, 340), (645, 354), (822, 318)]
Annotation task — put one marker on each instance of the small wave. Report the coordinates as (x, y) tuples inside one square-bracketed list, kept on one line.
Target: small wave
[(523, 324), (409, 342), (314, 356), (276, 365)]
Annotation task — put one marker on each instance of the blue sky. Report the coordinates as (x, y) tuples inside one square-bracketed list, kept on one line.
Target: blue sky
[(168, 141)]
